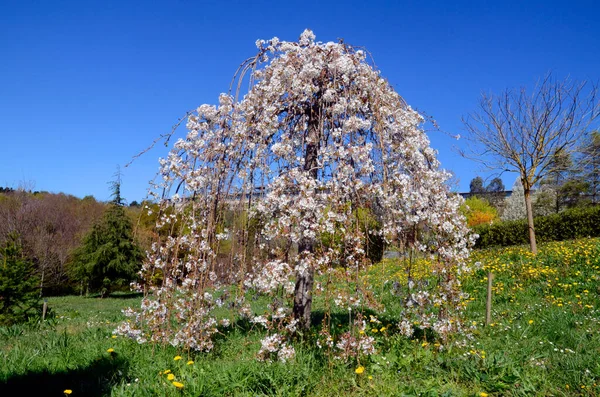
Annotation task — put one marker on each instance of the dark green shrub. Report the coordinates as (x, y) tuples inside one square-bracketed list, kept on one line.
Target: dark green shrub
[(569, 224), (19, 288)]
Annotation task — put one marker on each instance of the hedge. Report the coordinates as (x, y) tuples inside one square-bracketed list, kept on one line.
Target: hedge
[(569, 224)]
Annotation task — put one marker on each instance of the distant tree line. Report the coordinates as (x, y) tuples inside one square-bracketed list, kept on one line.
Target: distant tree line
[(68, 244)]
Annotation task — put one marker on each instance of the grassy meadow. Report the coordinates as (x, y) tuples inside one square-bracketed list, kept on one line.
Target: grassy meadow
[(544, 340)]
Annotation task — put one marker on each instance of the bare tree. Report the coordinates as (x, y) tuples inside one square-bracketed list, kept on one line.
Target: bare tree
[(518, 131), (49, 227)]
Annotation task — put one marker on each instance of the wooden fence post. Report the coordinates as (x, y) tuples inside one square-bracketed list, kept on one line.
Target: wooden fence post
[(488, 303), (44, 309)]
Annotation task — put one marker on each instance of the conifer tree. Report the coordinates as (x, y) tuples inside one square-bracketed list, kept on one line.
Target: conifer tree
[(590, 164), (109, 258), (19, 295)]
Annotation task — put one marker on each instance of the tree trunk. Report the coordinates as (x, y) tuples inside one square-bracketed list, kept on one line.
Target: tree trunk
[(42, 283), (304, 280), (303, 292), (529, 208)]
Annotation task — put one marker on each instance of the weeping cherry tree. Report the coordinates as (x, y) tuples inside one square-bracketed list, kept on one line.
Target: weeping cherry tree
[(318, 137)]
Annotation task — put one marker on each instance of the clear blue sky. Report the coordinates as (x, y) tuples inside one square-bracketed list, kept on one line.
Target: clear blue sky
[(85, 85)]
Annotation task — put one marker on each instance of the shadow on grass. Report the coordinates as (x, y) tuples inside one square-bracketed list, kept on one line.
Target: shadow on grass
[(126, 295), (340, 321), (96, 379), (115, 295)]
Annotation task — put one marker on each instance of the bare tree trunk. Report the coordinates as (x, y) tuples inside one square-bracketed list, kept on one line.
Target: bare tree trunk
[(303, 291), (42, 283), (304, 280), (529, 208)]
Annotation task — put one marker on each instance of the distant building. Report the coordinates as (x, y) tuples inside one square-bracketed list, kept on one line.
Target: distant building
[(506, 193)]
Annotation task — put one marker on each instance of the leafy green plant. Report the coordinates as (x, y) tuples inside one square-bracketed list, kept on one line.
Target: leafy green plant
[(478, 211)]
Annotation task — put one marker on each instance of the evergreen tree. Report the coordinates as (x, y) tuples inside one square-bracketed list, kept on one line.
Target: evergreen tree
[(109, 258), (476, 186), (573, 193), (19, 294), (560, 172), (495, 194), (495, 186), (590, 164)]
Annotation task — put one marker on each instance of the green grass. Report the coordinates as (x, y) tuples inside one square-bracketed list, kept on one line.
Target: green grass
[(545, 335)]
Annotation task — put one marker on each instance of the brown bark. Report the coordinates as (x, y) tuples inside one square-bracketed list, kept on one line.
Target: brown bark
[(529, 208), (303, 293), (304, 280)]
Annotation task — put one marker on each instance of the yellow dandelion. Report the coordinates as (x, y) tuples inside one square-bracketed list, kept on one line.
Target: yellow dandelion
[(360, 370), (114, 336), (382, 329), (170, 377), (68, 391), (167, 371), (178, 385), (374, 330), (177, 358), (424, 344), (111, 350), (483, 394), (190, 362), (530, 321)]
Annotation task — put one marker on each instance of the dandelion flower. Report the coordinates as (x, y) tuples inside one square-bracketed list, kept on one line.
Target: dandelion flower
[(114, 336), (190, 362), (170, 377), (111, 350), (167, 371), (68, 391), (178, 385), (483, 394), (530, 321), (177, 358), (360, 370)]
